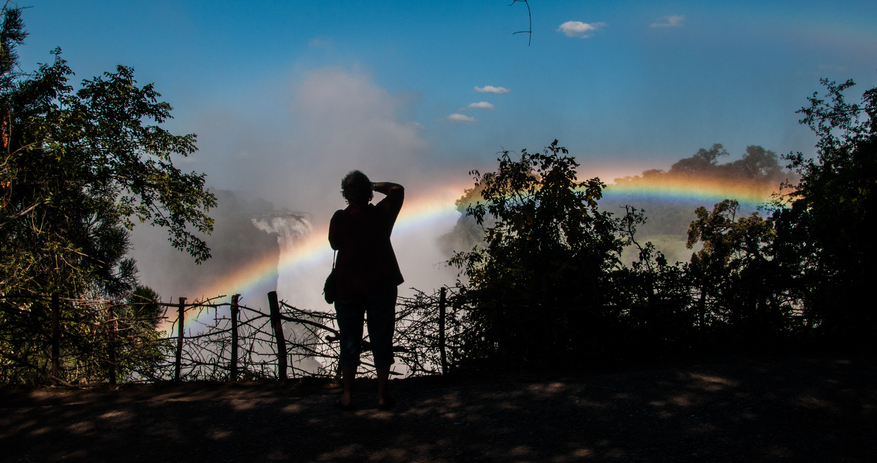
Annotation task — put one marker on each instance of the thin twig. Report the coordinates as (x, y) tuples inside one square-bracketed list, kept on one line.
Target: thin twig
[(530, 31)]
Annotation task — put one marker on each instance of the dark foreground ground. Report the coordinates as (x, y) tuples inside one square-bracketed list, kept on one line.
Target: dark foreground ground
[(813, 409)]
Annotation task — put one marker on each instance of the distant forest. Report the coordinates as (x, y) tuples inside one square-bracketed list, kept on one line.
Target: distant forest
[(757, 173)]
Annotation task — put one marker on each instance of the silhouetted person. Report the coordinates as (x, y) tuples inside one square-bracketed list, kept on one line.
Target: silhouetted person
[(368, 276)]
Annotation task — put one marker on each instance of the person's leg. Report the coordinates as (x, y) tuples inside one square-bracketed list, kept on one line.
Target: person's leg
[(350, 314), (348, 373), (381, 324), (383, 379)]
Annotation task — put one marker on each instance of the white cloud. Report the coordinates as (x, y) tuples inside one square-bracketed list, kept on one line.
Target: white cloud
[(491, 89), (461, 119), (579, 29), (672, 21), (480, 105)]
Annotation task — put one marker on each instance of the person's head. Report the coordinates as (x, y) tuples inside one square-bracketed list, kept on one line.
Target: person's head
[(356, 188)]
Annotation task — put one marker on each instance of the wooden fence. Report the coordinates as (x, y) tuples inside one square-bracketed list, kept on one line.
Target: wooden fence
[(425, 332), (239, 342)]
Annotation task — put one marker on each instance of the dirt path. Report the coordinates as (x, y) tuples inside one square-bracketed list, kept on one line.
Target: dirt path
[(790, 410)]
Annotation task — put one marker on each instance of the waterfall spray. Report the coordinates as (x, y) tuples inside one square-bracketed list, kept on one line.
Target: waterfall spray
[(291, 230)]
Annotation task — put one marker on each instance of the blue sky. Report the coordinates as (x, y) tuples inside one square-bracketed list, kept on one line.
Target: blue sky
[(287, 96)]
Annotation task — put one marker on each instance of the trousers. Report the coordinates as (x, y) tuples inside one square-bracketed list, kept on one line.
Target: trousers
[(379, 310)]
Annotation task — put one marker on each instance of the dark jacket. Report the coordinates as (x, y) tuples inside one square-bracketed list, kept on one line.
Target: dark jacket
[(366, 262)]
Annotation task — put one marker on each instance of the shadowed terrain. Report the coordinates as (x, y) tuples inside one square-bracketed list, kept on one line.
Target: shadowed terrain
[(820, 409)]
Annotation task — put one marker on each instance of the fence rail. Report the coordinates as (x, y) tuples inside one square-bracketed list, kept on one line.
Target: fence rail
[(97, 341), (75, 341)]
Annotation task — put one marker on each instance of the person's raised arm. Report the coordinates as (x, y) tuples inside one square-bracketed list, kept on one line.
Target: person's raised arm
[(387, 187)]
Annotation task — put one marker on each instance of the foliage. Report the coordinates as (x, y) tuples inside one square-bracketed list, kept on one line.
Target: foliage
[(757, 164), (546, 285), (702, 162), (654, 295), (825, 222), (735, 275), (757, 171), (78, 168), (548, 250), (467, 232), (140, 347), (100, 339), (539, 211)]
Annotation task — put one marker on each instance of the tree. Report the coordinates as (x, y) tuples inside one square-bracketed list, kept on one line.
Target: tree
[(548, 248), (78, 168), (757, 164), (702, 163), (735, 276), (826, 221), (468, 232), (758, 171)]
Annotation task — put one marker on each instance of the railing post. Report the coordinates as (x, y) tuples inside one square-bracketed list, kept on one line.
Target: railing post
[(181, 317), (277, 324), (111, 342), (442, 304), (56, 336), (234, 337)]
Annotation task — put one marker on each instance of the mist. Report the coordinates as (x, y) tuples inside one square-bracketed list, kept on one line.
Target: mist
[(292, 160), (283, 146)]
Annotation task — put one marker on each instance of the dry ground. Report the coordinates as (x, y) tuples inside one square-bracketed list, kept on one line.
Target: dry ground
[(813, 409)]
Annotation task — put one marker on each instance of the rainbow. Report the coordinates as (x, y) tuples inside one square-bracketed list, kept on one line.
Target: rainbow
[(705, 192), (436, 210)]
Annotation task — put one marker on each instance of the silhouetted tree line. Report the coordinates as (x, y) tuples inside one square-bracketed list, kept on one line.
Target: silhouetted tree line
[(545, 284)]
